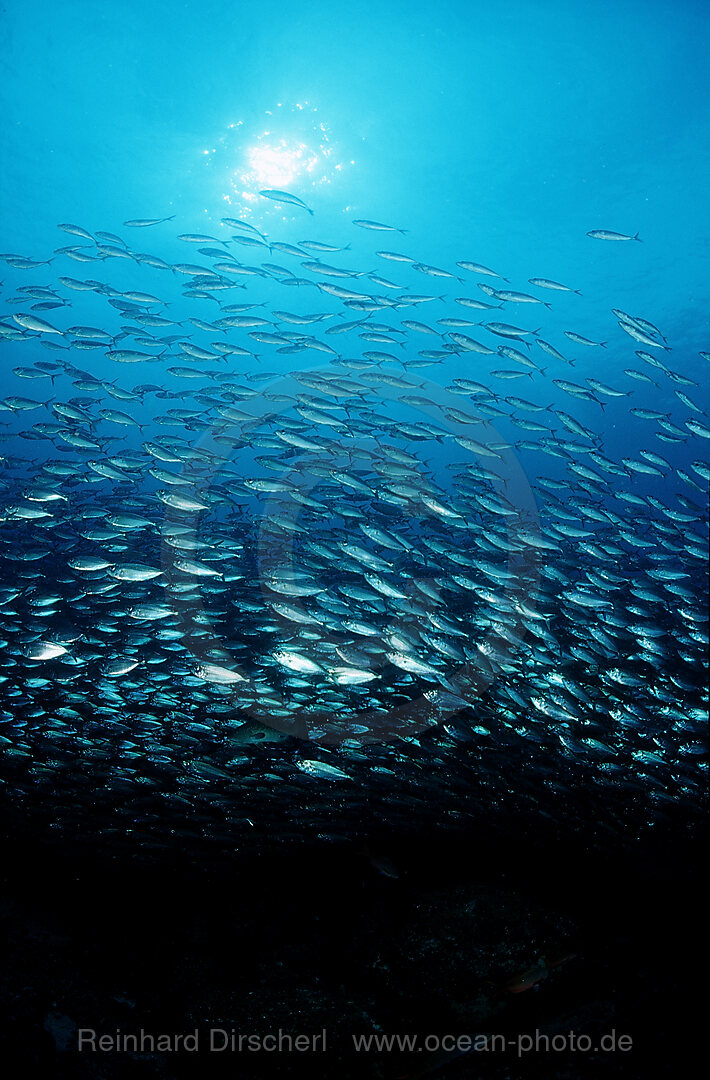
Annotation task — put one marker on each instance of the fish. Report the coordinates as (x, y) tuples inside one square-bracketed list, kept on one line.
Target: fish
[(476, 268), (394, 256), (245, 226), (579, 339), (317, 245), (39, 326), (144, 223), (377, 226), (285, 197), (511, 296), (545, 283), (508, 331), (249, 557), (606, 234), (469, 344)]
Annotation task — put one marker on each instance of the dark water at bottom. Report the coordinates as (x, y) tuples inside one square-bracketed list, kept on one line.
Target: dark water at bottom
[(313, 936)]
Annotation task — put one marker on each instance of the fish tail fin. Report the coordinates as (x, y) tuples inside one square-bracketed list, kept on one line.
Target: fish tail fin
[(506, 279), (309, 211), (403, 231), (603, 344), (548, 306), (171, 218), (578, 291), (637, 237)]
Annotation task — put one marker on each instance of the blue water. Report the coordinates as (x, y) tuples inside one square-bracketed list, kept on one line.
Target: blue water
[(495, 134), (499, 134)]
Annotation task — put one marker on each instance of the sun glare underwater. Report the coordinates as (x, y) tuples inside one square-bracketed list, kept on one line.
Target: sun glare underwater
[(354, 428)]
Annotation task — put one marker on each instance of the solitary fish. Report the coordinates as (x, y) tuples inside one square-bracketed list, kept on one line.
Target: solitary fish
[(476, 268), (605, 234), (285, 197), (142, 223), (377, 226), (505, 330), (236, 223), (44, 650), (76, 230), (395, 256), (518, 297), (316, 245), (545, 283), (31, 322), (217, 673), (581, 340)]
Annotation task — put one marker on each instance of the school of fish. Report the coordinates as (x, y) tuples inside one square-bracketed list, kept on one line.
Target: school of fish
[(279, 536)]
